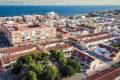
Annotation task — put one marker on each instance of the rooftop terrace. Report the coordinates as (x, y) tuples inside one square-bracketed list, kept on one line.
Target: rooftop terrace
[(12, 50), (103, 52), (92, 34), (98, 56), (99, 38), (24, 26), (83, 56), (109, 48)]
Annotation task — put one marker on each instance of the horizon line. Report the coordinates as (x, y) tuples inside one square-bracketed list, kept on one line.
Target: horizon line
[(51, 5)]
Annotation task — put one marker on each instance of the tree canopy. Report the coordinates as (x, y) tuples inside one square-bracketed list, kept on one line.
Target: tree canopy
[(51, 73), (43, 66)]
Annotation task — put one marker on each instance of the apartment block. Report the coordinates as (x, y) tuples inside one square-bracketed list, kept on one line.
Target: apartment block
[(8, 56), (92, 39), (29, 33)]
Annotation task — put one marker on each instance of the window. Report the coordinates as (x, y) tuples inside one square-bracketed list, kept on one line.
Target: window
[(17, 39), (13, 39), (33, 33)]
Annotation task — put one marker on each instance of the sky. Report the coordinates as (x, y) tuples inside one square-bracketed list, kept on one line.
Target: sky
[(59, 2)]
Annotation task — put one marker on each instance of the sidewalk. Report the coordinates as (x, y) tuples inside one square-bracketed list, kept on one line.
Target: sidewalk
[(77, 76)]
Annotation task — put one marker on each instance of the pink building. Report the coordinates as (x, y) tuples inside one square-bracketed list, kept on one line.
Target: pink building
[(25, 34), (9, 55)]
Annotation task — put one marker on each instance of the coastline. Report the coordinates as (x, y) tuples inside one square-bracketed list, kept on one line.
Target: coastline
[(19, 10)]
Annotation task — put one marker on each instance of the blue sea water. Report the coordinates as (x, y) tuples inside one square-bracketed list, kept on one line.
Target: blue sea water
[(61, 10)]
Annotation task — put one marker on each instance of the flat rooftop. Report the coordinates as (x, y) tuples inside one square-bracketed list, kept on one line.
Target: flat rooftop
[(11, 50), (83, 56), (24, 26), (103, 52), (93, 34), (109, 48), (99, 38), (92, 37), (59, 46), (10, 27), (98, 56), (51, 42)]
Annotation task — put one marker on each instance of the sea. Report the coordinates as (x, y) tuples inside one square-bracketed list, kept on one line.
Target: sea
[(18, 10)]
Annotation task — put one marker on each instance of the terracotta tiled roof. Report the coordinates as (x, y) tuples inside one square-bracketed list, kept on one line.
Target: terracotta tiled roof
[(99, 38), (108, 74), (51, 42), (10, 58), (59, 46), (110, 49), (82, 55), (13, 57), (93, 34), (12, 50)]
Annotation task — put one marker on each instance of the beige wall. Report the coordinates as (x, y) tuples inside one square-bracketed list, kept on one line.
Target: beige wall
[(96, 66), (39, 34), (117, 58)]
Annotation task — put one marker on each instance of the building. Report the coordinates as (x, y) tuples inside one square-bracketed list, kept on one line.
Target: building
[(9, 55), (25, 34), (93, 39), (108, 74), (111, 53), (91, 60), (58, 45), (104, 55), (76, 30), (61, 34), (90, 64)]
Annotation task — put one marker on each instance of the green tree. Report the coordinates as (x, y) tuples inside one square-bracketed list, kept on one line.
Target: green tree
[(62, 58), (16, 69), (30, 75), (22, 64), (75, 64), (45, 56), (36, 67), (67, 71), (58, 56), (54, 54), (36, 55), (51, 73), (27, 59)]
